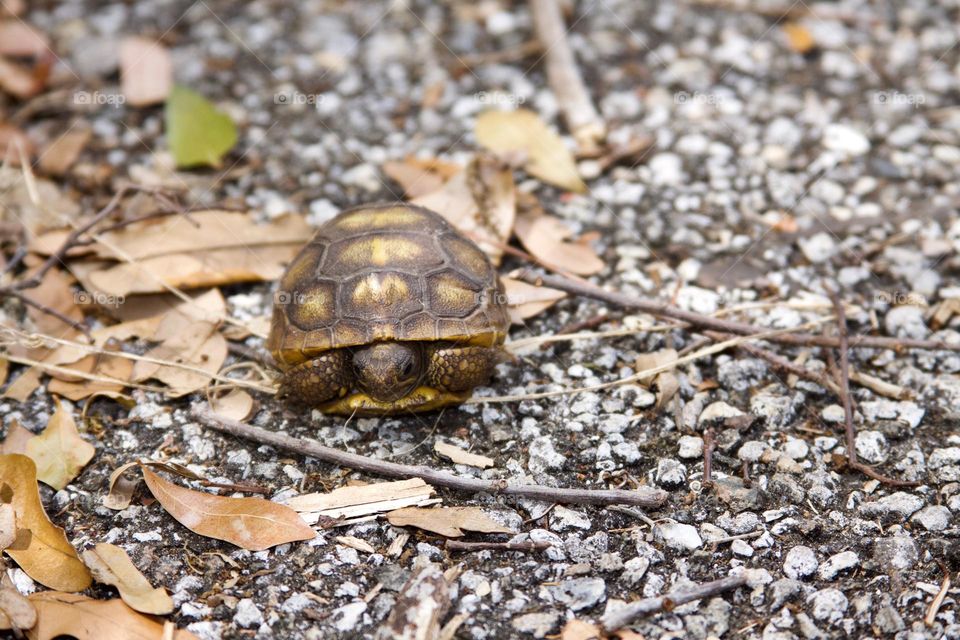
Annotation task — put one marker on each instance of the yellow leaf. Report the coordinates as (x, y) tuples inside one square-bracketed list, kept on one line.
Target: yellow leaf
[(59, 452), (447, 521), (111, 565), (250, 523), (87, 619), (49, 558), (523, 131)]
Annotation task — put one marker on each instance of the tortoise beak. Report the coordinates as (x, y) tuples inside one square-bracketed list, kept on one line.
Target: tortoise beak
[(388, 371)]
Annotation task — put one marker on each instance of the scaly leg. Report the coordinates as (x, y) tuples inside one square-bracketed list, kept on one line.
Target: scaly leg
[(461, 368), (325, 378)]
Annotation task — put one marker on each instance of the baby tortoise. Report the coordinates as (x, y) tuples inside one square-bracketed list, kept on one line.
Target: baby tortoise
[(388, 309)]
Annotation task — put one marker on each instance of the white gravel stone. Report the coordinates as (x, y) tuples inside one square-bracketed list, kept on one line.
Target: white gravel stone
[(837, 563), (348, 616), (933, 517), (543, 455), (741, 548), (247, 614), (752, 450), (536, 624), (872, 446), (828, 605), (900, 503), (666, 169), (896, 552), (833, 413), (564, 519), (691, 447), (678, 536), (718, 410), (906, 321), (818, 248), (845, 139), (801, 561)]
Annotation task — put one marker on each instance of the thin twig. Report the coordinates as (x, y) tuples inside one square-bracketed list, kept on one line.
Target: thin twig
[(664, 309), (42, 308), (582, 118), (628, 613), (931, 616), (708, 458), (849, 430), (457, 545), (643, 496)]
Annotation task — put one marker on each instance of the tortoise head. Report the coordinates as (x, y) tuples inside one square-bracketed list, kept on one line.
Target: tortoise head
[(387, 371)]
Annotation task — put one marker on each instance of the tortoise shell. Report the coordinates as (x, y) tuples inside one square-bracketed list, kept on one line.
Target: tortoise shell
[(385, 272)]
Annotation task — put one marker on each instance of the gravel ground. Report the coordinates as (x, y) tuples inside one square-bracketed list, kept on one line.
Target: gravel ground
[(857, 143)]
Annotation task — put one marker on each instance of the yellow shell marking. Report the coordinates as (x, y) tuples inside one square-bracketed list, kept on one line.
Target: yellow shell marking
[(449, 293), (380, 290), (380, 219), (380, 252)]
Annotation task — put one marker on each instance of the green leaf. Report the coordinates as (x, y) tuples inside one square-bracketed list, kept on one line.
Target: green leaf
[(198, 134)]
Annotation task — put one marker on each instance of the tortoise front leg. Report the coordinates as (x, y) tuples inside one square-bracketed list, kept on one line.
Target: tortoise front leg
[(325, 378), (461, 368)]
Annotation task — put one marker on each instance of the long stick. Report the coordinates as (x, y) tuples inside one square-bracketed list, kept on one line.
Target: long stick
[(643, 496), (663, 309), (564, 77), (625, 615)]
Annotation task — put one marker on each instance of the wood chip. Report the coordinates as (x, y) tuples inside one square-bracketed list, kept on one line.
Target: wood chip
[(446, 521), (352, 502), (460, 456), (355, 543)]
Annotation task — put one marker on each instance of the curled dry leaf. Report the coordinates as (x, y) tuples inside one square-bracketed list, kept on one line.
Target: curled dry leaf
[(523, 131), (20, 81), (419, 176), (49, 558), (236, 404), (481, 202), (111, 565), (665, 382), (249, 523), (67, 614), (16, 612), (58, 451), (146, 71), (447, 521), (121, 488), (526, 300), (12, 141), (459, 456), (206, 249), (547, 239)]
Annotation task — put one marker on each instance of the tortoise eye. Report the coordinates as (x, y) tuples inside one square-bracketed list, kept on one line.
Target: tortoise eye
[(407, 368)]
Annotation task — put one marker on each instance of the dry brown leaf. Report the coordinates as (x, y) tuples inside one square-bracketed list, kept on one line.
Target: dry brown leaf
[(19, 39), (116, 367), (208, 249), (546, 238), (460, 456), (352, 502), (447, 521), (58, 451), (480, 201), (63, 151), (49, 558), (251, 523), (4, 371), (111, 565), (24, 386), (199, 345), (121, 488), (87, 619), (237, 404), (799, 38), (419, 177), (146, 71), (547, 157), (12, 7), (16, 440), (16, 612), (20, 81), (51, 207), (526, 300), (580, 630)]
